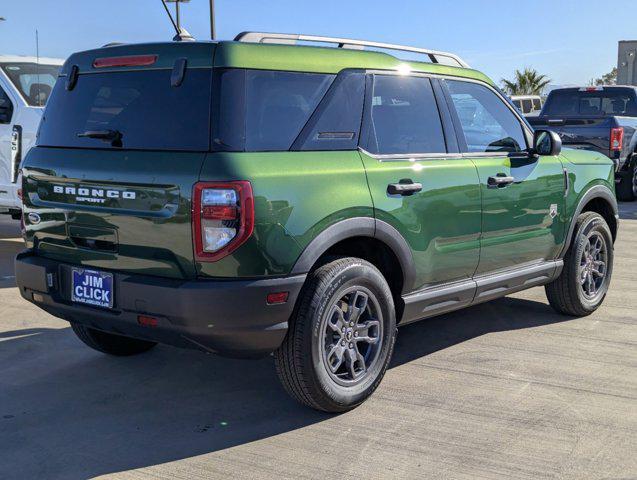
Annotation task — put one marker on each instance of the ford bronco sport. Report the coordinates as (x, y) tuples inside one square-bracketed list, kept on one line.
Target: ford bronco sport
[(251, 197)]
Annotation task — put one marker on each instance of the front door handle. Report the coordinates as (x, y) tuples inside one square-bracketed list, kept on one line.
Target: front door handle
[(501, 180), (404, 189)]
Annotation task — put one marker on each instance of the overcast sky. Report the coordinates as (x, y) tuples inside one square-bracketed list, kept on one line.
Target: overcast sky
[(571, 41)]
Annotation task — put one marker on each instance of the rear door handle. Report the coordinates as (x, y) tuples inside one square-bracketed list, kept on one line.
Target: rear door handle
[(500, 180), (404, 189)]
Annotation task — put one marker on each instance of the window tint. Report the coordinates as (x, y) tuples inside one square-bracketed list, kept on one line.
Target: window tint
[(597, 102), (261, 110), (6, 107), (487, 123), (141, 105), (527, 105), (404, 117), (338, 124), (34, 82)]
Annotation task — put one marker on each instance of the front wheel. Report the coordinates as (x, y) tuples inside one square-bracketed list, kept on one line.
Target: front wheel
[(341, 337), (588, 266)]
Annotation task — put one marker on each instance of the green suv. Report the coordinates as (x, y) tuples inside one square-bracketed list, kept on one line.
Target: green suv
[(257, 197)]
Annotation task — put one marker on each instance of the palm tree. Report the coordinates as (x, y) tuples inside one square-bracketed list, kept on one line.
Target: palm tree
[(526, 82)]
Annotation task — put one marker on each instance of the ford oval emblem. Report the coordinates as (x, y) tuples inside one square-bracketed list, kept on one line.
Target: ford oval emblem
[(34, 218)]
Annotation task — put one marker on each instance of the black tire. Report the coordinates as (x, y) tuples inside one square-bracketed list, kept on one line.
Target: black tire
[(627, 186), (307, 361), (110, 343), (567, 294)]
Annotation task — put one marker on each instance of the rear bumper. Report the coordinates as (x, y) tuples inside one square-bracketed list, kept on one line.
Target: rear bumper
[(227, 317)]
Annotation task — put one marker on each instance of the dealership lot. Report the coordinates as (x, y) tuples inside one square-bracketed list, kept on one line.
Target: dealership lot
[(507, 389)]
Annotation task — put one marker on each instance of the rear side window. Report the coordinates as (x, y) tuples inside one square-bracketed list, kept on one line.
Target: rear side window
[(404, 117), (336, 123), (596, 102), (261, 110), (486, 121), (141, 105)]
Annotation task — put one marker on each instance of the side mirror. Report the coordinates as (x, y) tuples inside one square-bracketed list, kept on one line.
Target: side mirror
[(546, 143)]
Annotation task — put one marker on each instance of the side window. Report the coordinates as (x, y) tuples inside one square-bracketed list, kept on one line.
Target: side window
[(486, 121), (6, 107), (337, 122), (264, 110), (537, 104), (527, 106), (404, 117)]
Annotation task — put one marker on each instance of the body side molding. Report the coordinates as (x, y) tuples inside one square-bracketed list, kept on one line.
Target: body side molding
[(446, 298)]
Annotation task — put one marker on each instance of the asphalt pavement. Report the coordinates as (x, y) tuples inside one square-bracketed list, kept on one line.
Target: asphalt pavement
[(507, 389)]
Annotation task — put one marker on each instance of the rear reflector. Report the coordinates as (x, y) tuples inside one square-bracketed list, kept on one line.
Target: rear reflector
[(616, 139), (127, 61), (278, 297), (219, 212), (146, 321)]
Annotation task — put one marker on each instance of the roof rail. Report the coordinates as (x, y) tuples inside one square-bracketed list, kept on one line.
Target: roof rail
[(444, 58)]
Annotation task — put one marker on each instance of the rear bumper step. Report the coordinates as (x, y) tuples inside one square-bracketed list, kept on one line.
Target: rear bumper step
[(229, 317)]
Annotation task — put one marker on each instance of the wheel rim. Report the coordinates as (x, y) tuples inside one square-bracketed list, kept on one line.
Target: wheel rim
[(352, 336), (635, 181), (593, 265)]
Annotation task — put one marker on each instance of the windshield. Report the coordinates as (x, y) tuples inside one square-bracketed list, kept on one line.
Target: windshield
[(618, 101), (135, 110), (33, 81)]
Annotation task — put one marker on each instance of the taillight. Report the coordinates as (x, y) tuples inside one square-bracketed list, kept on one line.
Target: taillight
[(616, 139), (222, 218)]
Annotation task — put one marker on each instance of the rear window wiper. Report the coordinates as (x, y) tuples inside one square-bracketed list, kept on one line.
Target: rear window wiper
[(113, 136)]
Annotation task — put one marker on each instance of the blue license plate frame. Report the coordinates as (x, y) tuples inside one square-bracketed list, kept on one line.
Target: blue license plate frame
[(92, 288)]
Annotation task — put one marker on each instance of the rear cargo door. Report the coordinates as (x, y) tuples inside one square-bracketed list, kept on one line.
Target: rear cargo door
[(118, 153)]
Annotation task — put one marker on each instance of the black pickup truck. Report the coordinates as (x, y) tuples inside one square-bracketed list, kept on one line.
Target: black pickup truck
[(603, 119)]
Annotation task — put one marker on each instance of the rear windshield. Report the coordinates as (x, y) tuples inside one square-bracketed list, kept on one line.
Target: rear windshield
[(33, 81), (598, 102), (139, 108)]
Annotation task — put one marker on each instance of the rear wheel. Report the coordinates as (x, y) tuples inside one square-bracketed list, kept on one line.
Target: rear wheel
[(627, 187), (588, 266), (341, 337), (109, 343)]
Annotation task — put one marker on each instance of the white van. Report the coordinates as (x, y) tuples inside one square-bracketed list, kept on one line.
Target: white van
[(25, 86), (529, 105)]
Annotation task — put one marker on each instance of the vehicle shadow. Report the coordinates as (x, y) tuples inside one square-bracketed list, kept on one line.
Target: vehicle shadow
[(69, 412), (627, 211)]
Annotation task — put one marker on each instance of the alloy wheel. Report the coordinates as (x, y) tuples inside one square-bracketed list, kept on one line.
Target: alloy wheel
[(593, 265), (352, 336)]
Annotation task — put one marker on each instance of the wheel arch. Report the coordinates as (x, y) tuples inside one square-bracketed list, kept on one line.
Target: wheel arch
[(599, 199), (369, 232)]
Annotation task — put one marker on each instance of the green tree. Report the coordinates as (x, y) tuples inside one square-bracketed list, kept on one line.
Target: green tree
[(526, 82), (609, 78)]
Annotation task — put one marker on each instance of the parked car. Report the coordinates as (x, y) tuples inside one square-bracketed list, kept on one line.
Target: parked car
[(529, 105), (25, 85), (247, 198), (603, 119)]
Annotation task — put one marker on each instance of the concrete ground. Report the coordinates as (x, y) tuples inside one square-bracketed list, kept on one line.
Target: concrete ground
[(507, 389)]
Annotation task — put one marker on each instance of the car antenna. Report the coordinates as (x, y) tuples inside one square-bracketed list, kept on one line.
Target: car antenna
[(182, 34), (37, 65)]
